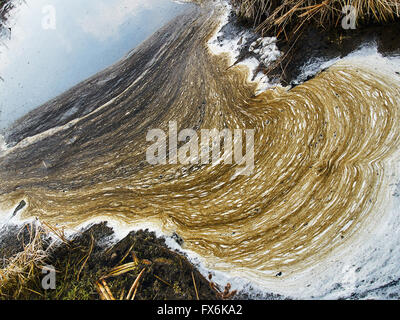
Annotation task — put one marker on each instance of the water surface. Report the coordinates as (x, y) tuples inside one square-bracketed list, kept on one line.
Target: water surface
[(38, 62), (316, 209)]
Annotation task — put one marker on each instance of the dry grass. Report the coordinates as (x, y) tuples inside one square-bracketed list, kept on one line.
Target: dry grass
[(104, 290), (288, 16), (25, 265)]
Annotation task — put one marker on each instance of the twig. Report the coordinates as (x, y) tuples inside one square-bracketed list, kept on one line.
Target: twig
[(87, 258), (107, 288), (163, 281), (135, 285), (195, 286)]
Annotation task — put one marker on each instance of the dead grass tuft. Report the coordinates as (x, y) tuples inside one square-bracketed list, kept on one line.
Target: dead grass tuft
[(288, 16), (25, 265)]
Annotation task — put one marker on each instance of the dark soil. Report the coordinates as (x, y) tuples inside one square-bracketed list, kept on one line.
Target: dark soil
[(317, 43), (89, 256), (314, 43)]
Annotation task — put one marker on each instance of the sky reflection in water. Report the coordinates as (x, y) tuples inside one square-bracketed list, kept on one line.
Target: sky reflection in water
[(37, 64)]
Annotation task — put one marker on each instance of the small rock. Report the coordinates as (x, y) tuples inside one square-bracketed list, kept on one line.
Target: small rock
[(21, 205), (178, 239)]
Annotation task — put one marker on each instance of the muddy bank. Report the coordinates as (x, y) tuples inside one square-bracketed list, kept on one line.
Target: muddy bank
[(90, 256), (311, 45), (315, 43), (316, 29)]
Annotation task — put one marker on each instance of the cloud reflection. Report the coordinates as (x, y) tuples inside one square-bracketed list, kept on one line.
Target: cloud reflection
[(106, 21)]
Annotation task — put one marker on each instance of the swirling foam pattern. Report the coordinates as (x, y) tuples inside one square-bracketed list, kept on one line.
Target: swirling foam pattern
[(320, 153)]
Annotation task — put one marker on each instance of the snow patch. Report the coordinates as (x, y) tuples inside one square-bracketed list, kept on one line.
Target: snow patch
[(232, 40), (3, 145), (267, 49), (366, 55)]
